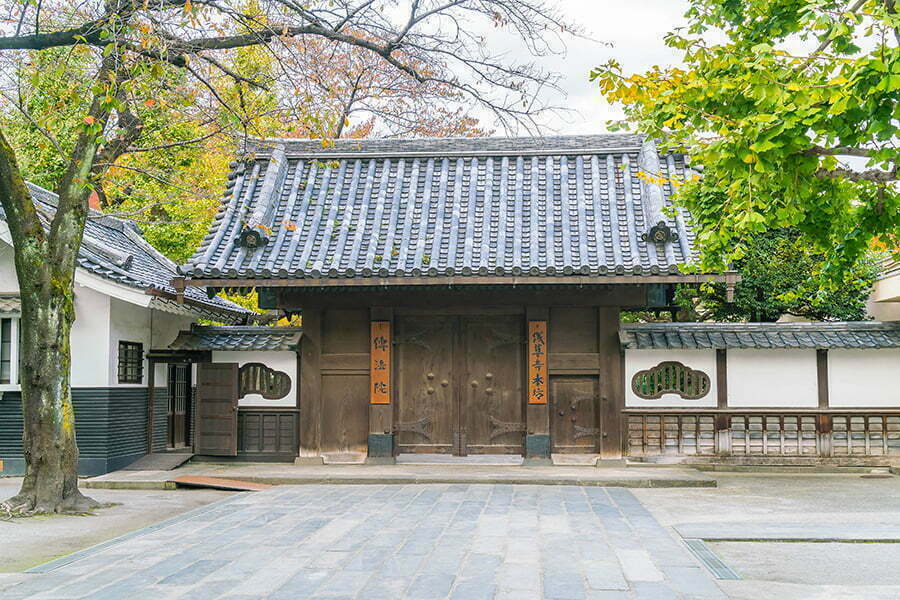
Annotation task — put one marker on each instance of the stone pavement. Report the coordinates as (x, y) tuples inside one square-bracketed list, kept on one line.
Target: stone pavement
[(393, 542)]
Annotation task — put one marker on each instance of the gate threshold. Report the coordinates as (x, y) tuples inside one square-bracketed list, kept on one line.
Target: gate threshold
[(484, 460)]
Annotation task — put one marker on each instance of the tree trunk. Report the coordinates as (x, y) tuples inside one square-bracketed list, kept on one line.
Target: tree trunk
[(46, 272), (48, 440)]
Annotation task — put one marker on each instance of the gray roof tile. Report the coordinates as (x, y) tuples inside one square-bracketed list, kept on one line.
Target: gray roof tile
[(115, 250), (237, 338), (571, 205), (668, 336)]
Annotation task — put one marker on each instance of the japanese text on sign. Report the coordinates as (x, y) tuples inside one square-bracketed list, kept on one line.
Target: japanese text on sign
[(380, 370), (537, 362)]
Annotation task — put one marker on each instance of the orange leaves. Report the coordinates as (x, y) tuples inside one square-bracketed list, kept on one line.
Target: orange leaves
[(89, 120)]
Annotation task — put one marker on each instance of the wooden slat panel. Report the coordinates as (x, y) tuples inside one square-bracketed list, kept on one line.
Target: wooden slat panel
[(345, 362), (565, 362), (217, 393)]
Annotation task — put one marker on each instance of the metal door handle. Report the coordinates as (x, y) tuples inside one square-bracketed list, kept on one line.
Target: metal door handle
[(474, 383)]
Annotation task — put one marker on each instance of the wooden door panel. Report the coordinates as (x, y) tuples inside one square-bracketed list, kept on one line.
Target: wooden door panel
[(179, 401), (426, 418), (345, 420), (575, 414), (492, 389), (217, 399)]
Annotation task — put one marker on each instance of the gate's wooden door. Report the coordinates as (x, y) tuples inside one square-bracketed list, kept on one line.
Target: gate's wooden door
[(217, 406), (575, 414), (427, 416), (493, 409), (179, 403)]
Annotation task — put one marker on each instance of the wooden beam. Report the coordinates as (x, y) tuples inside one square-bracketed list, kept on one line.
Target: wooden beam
[(723, 430), (825, 425), (461, 300), (311, 384), (151, 403), (612, 383), (822, 377), (463, 280)]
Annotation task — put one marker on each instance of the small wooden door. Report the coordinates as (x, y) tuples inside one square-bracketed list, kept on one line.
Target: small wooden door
[(575, 414), (217, 406), (491, 390), (179, 404), (427, 413)]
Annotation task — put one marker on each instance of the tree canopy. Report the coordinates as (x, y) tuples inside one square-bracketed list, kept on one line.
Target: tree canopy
[(789, 109), (782, 276)]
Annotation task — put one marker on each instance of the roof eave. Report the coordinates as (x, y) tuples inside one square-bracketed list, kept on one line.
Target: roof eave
[(464, 280)]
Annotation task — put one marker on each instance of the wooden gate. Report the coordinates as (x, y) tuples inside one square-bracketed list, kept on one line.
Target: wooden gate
[(459, 384), (217, 409), (575, 414), (179, 404), (427, 413)]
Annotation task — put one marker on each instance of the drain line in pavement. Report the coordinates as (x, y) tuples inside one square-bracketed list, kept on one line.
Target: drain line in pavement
[(710, 560)]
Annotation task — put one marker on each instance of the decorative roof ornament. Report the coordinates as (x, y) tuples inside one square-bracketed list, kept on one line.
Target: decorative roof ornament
[(660, 233)]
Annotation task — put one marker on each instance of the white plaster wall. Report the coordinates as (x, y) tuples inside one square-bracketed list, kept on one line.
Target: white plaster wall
[(90, 338), (8, 280), (132, 323), (278, 360), (863, 378), (700, 360), (772, 378)]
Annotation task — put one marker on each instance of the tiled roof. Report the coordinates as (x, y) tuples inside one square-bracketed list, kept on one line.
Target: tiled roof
[(114, 249), (853, 334), (10, 303), (552, 206), (237, 338)]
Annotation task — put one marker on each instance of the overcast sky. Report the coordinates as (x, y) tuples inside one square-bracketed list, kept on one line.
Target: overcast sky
[(634, 28)]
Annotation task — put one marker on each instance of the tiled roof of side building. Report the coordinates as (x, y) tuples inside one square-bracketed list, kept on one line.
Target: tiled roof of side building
[(572, 205), (114, 249), (237, 338), (814, 335)]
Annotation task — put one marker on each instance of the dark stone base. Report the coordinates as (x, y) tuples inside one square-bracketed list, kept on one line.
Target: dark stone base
[(381, 445), (537, 446), (87, 466), (381, 460)]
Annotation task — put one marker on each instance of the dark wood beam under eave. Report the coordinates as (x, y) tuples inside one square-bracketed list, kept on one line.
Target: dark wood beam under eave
[(463, 280)]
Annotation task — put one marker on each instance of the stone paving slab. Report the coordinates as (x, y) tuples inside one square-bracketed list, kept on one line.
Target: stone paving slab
[(405, 542), (290, 474)]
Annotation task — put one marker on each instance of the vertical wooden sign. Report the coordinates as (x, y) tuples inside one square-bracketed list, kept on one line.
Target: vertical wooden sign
[(537, 362), (380, 370)]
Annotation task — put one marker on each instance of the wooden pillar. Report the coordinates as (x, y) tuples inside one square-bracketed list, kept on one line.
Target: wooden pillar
[(612, 382), (151, 403), (537, 417), (311, 386), (723, 425), (381, 401), (824, 424)]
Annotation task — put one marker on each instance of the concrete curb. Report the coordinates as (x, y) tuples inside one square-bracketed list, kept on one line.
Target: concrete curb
[(432, 479)]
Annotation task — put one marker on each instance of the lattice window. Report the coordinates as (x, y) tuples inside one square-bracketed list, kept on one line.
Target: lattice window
[(671, 435), (257, 378), (131, 362), (670, 377)]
